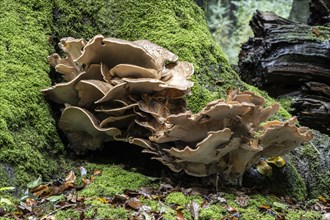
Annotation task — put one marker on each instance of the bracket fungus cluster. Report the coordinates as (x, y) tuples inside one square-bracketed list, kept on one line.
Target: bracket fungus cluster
[(134, 92)]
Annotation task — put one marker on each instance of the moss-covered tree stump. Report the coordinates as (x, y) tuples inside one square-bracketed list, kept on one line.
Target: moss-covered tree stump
[(30, 145)]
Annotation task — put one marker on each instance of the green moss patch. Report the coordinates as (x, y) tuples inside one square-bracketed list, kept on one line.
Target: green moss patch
[(29, 143), (98, 210), (113, 180)]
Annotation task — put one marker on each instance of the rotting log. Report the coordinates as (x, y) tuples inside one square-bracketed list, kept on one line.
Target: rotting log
[(291, 59), (320, 12)]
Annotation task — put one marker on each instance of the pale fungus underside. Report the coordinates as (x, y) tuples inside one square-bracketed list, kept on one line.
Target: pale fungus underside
[(134, 92)]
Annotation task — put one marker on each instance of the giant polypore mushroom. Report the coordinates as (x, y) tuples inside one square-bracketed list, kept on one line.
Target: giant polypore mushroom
[(134, 92)]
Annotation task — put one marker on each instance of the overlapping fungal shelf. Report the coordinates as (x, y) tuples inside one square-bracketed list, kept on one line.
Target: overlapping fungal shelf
[(134, 92)]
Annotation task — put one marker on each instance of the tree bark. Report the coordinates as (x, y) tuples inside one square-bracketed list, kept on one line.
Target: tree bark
[(320, 12), (292, 59), (287, 58)]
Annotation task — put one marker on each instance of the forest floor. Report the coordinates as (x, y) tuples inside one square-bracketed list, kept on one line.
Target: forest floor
[(103, 191)]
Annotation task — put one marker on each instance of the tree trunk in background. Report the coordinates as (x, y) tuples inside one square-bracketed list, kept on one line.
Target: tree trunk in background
[(299, 11)]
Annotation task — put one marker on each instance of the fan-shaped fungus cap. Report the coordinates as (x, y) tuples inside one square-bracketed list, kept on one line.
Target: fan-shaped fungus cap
[(206, 151), (72, 46), (133, 71), (77, 120), (91, 90), (112, 52), (161, 55)]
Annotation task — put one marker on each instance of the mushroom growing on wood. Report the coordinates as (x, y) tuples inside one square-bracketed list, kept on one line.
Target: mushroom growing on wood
[(134, 92)]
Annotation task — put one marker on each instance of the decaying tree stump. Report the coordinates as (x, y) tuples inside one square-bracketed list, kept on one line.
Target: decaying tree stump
[(292, 59)]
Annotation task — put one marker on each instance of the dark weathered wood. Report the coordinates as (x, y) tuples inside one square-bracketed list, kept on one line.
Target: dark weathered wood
[(288, 58), (320, 12)]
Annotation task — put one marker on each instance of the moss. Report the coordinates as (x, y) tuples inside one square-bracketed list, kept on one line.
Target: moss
[(315, 164), (28, 138), (177, 198), (113, 180), (300, 214), (112, 213), (297, 187), (67, 214), (99, 210), (212, 212), (154, 205)]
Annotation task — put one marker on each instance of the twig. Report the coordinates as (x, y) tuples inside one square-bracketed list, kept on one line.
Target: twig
[(315, 148)]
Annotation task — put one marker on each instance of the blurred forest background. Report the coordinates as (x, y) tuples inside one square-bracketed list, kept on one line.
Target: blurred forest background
[(228, 20)]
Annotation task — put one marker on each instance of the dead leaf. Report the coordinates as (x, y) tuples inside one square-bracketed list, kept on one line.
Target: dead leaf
[(316, 31), (131, 193), (133, 203), (30, 202), (86, 181), (179, 215), (242, 200), (230, 209), (42, 189), (54, 190), (70, 178), (280, 216), (97, 172), (194, 207), (264, 207), (71, 197), (205, 204)]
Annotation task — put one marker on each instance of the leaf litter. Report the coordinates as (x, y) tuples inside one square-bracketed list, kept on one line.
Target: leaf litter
[(44, 199)]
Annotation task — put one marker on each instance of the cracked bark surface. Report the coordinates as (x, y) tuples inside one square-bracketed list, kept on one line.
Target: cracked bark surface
[(291, 59)]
